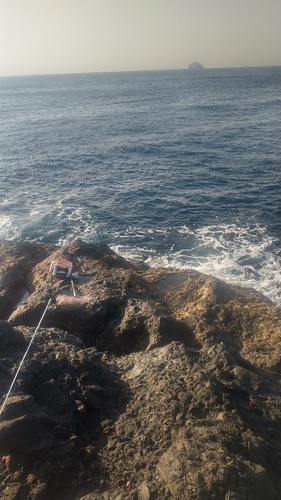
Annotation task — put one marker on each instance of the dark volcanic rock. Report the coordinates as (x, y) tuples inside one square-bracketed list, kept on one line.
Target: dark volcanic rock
[(163, 385), (63, 394)]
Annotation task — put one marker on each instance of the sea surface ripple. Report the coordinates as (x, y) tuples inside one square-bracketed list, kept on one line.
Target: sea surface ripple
[(174, 168)]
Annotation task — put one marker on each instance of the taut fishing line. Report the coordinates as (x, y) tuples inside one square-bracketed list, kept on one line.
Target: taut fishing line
[(24, 356)]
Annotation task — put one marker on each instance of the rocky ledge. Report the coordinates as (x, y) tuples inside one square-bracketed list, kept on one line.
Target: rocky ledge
[(160, 385)]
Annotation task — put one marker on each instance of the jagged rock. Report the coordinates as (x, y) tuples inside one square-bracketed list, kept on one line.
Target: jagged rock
[(17, 259), (164, 385), (130, 308), (63, 393)]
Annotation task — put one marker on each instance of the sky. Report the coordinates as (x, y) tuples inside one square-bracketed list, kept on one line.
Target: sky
[(77, 36)]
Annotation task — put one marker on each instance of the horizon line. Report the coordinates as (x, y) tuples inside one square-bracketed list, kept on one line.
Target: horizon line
[(141, 70)]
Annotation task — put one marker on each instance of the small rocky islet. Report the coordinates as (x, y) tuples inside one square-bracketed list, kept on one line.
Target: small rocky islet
[(196, 66), (157, 384)]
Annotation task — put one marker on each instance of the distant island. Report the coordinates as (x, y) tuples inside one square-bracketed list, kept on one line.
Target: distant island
[(196, 65)]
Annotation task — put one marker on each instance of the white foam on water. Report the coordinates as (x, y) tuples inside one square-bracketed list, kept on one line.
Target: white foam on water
[(79, 222), (244, 256), (237, 255), (7, 229), (60, 225)]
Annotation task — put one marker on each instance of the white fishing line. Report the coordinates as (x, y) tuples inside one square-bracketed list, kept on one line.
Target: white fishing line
[(24, 356)]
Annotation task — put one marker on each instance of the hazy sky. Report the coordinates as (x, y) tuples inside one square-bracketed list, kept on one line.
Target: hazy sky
[(68, 36)]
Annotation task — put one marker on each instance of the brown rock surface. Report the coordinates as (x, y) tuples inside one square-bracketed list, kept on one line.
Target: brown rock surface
[(17, 260), (162, 385)]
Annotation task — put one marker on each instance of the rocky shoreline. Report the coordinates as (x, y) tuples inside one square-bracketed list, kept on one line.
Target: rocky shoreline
[(162, 385)]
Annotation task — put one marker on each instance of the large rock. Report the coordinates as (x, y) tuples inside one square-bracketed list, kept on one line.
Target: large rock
[(17, 260), (196, 66), (163, 384)]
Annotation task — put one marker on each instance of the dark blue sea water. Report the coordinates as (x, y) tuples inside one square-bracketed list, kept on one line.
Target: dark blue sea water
[(175, 168)]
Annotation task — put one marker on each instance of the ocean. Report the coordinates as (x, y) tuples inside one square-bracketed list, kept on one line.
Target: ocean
[(173, 168)]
